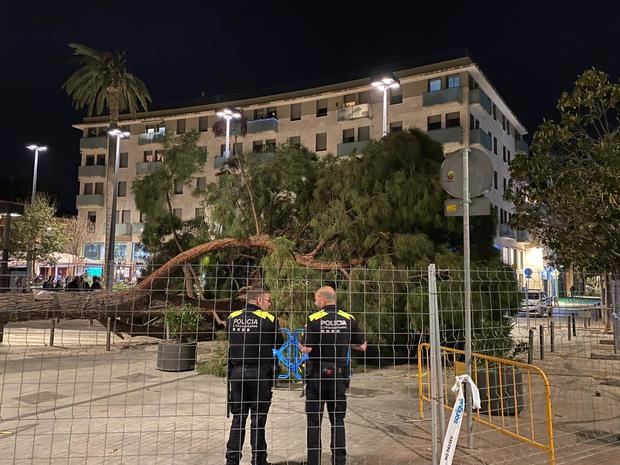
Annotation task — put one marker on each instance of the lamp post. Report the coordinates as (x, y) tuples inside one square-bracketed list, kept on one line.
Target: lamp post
[(384, 83), (36, 149), (228, 114), (109, 263)]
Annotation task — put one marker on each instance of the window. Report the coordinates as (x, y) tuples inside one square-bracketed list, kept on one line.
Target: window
[(348, 135), (434, 84), (474, 123), (270, 145), (139, 253), (88, 188), (494, 112), (222, 149), (495, 145), (180, 126), (257, 146), (178, 212), (201, 183), (126, 217), (142, 217), (100, 159), (92, 217), (396, 96), (321, 142), (203, 123), (454, 81), (148, 156), (124, 160), (295, 111), (494, 179), (199, 213), (321, 108), (363, 133), (93, 251), (363, 97), (178, 187), (502, 214), (396, 126), (159, 155), (453, 120), (433, 122), (120, 252), (260, 113), (99, 188), (294, 141), (122, 188), (349, 99), (505, 186), (92, 132), (504, 153), (90, 160), (508, 157), (272, 112)]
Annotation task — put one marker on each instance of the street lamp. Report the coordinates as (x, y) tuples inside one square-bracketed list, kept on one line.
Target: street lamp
[(36, 149), (109, 275), (228, 114), (384, 83)]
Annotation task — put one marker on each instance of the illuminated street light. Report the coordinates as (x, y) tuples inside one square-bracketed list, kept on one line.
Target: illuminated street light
[(228, 114), (109, 264), (36, 149), (384, 83)]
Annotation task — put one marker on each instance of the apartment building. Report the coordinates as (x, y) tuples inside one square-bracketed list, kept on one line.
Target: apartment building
[(451, 100)]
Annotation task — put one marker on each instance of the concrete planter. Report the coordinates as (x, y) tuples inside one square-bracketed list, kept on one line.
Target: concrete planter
[(176, 356)]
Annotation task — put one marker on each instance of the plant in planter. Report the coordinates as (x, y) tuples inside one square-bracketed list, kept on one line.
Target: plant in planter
[(178, 351)]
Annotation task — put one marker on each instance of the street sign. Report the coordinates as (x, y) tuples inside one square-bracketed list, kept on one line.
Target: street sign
[(480, 173), (480, 206), (528, 272)]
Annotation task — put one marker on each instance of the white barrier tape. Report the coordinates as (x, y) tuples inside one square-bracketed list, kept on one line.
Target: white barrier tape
[(456, 419)]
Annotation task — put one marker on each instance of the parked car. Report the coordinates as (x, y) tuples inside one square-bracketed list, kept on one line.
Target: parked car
[(536, 303)]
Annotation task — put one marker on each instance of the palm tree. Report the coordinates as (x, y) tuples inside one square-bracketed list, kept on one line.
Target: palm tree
[(103, 83)]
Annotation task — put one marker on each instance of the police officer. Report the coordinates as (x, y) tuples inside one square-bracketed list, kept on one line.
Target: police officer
[(252, 334), (330, 334)]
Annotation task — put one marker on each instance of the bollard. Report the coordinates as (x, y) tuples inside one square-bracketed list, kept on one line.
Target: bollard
[(569, 329), (552, 336), (1, 332), (53, 321), (530, 347), (585, 323), (542, 341), (108, 335), (574, 327)]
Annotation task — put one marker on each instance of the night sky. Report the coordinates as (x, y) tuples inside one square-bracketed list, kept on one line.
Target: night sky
[(531, 51)]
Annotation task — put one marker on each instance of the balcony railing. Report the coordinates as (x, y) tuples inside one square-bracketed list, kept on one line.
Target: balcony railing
[(439, 97), (347, 148), (91, 171), (481, 138), (521, 146), (123, 229), (447, 135), (137, 228), (89, 200), (506, 231), (478, 97), (99, 142), (262, 125), (151, 137), (146, 167), (523, 236), (361, 110)]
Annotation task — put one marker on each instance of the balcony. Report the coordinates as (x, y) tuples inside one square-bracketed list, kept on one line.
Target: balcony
[(523, 236), (123, 229), (100, 142), (506, 231), (478, 97), (91, 171), (89, 200), (137, 228), (361, 110), (152, 137), (347, 148), (145, 167), (521, 146), (440, 97), (447, 135), (262, 125), (480, 138)]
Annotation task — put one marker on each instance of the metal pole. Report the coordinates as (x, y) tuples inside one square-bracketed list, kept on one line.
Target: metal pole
[(438, 361), (227, 150), (108, 334), (615, 314), (34, 175), (109, 274), (527, 302), (5, 278), (52, 329), (551, 329), (574, 327), (530, 346), (385, 112), (467, 283), (433, 331), (541, 336), (569, 329)]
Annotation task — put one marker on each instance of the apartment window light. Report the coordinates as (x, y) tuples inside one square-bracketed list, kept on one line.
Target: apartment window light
[(434, 84), (454, 81)]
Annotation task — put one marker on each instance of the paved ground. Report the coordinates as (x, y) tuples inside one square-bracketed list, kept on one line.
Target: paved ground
[(77, 404)]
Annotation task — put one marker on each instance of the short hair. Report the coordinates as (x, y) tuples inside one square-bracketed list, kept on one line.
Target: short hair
[(327, 292), (253, 294)]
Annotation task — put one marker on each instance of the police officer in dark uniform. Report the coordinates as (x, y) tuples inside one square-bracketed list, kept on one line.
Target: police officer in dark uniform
[(252, 334), (330, 334)]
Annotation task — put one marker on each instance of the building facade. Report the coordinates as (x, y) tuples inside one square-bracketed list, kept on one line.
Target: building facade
[(451, 100)]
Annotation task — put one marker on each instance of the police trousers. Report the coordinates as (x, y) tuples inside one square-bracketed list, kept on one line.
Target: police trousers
[(330, 394), (250, 393)]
